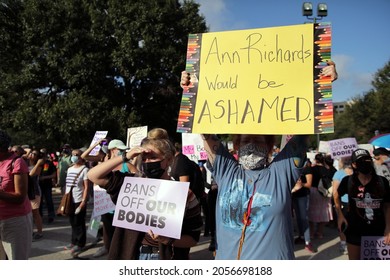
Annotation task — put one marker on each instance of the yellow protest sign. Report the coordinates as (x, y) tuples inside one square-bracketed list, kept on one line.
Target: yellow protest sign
[(258, 81)]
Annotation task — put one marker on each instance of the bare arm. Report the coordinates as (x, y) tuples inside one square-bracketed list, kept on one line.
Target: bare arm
[(337, 202), (309, 181), (386, 209), (37, 167), (99, 174), (86, 155)]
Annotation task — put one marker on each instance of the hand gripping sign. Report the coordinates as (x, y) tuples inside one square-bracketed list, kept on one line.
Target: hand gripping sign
[(145, 204), (258, 81)]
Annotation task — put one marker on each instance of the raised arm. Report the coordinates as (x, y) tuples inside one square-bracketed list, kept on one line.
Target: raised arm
[(86, 155), (99, 174)]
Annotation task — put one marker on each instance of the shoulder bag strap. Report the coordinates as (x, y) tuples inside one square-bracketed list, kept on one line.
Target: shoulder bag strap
[(75, 179), (77, 176)]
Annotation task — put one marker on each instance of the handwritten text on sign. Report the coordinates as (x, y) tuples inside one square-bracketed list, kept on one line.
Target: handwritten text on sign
[(102, 202), (145, 204), (193, 147), (255, 81)]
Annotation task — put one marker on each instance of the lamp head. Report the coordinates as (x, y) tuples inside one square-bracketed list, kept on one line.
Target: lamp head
[(322, 10), (307, 9)]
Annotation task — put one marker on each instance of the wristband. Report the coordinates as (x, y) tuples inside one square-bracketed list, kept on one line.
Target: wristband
[(124, 158)]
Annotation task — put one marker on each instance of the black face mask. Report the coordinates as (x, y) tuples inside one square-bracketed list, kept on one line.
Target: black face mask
[(364, 167), (153, 169)]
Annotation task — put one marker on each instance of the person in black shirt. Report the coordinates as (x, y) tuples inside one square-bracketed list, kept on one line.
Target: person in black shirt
[(300, 199), (369, 204)]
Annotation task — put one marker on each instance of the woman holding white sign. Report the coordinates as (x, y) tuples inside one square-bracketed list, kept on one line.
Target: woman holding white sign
[(157, 156)]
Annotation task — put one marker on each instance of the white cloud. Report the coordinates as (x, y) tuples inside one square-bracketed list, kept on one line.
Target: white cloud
[(351, 83), (214, 11)]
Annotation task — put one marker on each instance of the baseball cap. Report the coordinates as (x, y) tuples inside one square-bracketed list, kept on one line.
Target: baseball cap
[(381, 151), (116, 143), (360, 154)]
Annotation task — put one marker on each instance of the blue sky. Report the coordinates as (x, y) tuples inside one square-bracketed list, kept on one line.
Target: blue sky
[(360, 42)]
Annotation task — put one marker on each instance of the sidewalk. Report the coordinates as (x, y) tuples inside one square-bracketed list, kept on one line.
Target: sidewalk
[(57, 235)]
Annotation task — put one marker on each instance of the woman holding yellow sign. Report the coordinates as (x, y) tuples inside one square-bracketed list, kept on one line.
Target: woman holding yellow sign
[(253, 210)]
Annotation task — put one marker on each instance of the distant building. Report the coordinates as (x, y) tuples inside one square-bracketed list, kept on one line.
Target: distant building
[(339, 107)]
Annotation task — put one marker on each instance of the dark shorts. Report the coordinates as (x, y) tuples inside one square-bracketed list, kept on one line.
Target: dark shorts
[(354, 234)]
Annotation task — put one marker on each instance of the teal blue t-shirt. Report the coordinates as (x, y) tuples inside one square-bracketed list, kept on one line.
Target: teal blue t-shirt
[(270, 234)]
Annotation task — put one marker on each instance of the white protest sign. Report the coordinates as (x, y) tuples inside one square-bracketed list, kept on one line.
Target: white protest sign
[(102, 202), (323, 147), (342, 147), (311, 156), (94, 224), (368, 147), (97, 137), (135, 135), (374, 248), (192, 146), (150, 204)]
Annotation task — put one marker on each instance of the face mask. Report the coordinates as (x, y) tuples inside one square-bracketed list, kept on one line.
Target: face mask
[(74, 159), (252, 156), (153, 169), (364, 167), (119, 153)]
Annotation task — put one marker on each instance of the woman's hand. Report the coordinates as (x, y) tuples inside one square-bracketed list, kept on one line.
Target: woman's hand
[(159, 238), (134, 152), (330, 71)]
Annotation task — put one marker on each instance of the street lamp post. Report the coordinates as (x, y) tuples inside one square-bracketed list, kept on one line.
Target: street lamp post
[(322, 11), (307, 11)]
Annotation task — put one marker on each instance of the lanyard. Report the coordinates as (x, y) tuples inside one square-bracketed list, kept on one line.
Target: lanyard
[(246, 220)]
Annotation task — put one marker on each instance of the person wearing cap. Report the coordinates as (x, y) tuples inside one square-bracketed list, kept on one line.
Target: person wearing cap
[(381, 157), (15, 207), (369, 204), (63, 164), (46, 177)]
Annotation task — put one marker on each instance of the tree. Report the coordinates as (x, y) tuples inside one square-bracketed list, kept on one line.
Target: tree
[(368, 112), (71, 67)]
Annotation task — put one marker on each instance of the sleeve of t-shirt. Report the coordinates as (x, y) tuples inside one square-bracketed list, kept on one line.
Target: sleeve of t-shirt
[(20, 166), (343, 187), (84, 175), (182, 167), (386, 198)]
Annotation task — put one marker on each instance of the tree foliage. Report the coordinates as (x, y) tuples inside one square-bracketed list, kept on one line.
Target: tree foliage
[(369, 112), (69, 68)]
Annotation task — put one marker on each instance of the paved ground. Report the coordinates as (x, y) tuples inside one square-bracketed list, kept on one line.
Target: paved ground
[(57, 235)]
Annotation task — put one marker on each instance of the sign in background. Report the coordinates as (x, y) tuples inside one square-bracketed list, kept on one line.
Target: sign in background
[(323, 147), (150, 204), (374, 248), (102, 202), (135, 136), (97, 137), (344, 147), (259, 81), (193, 147)]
